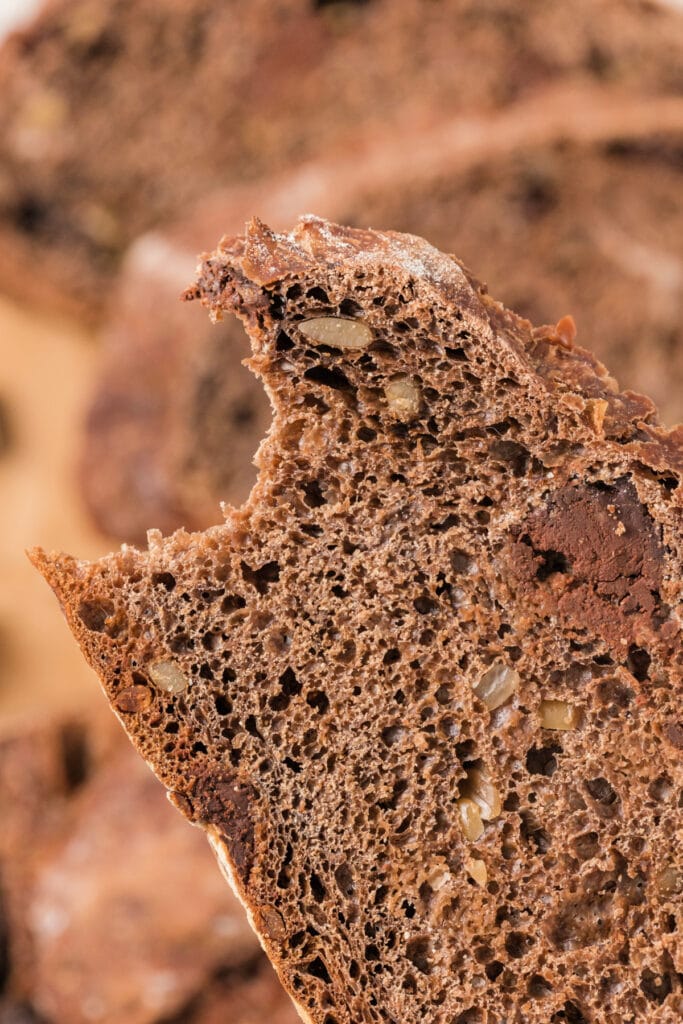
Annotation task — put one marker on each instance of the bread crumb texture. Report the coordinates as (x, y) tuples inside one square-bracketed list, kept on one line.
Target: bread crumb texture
[(423, 688)]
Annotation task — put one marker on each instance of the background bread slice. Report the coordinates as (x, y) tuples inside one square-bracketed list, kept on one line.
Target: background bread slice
[(182, 104), (422, 689)]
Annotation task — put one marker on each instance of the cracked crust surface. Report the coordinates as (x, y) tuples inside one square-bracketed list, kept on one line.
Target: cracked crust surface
[(422, 689)]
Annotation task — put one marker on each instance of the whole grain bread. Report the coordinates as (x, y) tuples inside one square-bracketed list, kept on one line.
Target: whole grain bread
[(422, 690), (182, 101)]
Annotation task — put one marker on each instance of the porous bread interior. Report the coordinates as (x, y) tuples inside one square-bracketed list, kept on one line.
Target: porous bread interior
[(332, 632)]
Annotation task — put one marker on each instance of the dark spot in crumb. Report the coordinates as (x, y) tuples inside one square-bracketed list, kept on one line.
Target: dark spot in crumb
[(227, 804)]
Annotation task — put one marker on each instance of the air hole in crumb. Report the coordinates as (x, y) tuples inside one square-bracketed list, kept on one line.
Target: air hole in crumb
[(587, 845), (252, 728), (313, 495), (517, 944), (408, 909), (462, 562), (317, 969), (417, 951), (163, 579), (552, 562), (289, 683), (94, 614), (539, 988), (471, 1016), (261, 578), (380, 895), (293, 765), (231, 603), (542, 761), (349, 307), (319, 700), (312, 529), (283, 343), (317, 888), (494, 970), (638, 663), (661, 788), (425, 605), (601, 791), (512, 453), (571, 1014), (446, 524), (655, 986), (343, 876), (329, 377)]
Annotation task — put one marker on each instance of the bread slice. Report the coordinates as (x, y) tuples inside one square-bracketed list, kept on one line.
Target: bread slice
[(422, 690)]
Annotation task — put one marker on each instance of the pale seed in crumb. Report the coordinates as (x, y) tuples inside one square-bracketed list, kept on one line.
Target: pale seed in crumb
[(336, 332), (470, 819), (497, 685), (167, 676), (481, 790), (559, 714), (670, 881), (476, 869), (403, 398), (438, 878)]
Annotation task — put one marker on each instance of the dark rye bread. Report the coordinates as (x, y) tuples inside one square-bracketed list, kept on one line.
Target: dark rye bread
[(183, 99), (565, 202), (422, 690)]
